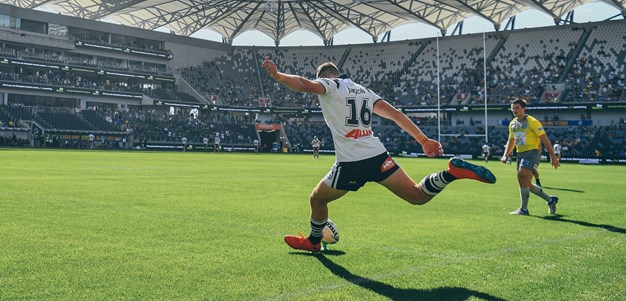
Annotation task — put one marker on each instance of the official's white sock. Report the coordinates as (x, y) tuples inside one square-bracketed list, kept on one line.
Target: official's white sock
[(524, 195), (539, 192)]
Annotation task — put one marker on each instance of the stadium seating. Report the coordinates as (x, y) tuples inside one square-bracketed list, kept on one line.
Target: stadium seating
[(65, 121), (23, 113), (598, 74), (586, 59), (300, 134), (98, 121), (522, 63), (164, 127)]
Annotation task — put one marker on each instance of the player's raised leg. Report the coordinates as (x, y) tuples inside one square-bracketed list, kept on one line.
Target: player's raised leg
[(418, 194), (404, 187)]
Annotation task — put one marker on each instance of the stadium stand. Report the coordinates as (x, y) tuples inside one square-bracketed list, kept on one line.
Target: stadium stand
[(6, 119), (580, 63), (528, 61), (165, 127), (598, 74), (65, 121), (521, 63), (99, 121), (301, 132), (23, 113)]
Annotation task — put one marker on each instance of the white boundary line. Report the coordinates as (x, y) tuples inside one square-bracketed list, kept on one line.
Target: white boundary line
[(417, 268)]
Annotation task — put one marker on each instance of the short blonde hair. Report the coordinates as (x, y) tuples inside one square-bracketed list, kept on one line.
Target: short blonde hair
[(326, 67)]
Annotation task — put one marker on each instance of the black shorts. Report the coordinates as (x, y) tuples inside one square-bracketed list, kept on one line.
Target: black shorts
[(529, 160), (353, 175)]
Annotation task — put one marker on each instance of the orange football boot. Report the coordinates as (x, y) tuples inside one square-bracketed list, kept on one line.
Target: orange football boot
[(302, 243), (461, 169)]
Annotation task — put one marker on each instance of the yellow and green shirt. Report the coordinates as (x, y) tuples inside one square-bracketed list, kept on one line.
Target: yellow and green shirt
[(526, 133)]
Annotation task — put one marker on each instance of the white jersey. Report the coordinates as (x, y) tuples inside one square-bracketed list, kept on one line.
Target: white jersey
[(486, 148), (205, 140), (557, 148), (316, 143), (347, 108)]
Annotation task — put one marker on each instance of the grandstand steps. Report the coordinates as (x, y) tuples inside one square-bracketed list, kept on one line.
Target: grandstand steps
[(5, 117), (596, 143), (344, 58), (496, 49), (573, 56), (24, 114), (98, 120), (257, 58), (24, 118), (67, 121), (184, 86), (414, 56)]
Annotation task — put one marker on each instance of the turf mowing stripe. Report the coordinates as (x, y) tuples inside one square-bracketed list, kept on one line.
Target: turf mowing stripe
[(409, 270)]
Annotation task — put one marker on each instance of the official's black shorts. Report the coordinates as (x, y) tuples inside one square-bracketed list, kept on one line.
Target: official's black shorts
[(353, 175), (529, 160)]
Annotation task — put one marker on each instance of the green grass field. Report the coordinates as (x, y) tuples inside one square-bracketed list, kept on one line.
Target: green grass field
[(91, 225)]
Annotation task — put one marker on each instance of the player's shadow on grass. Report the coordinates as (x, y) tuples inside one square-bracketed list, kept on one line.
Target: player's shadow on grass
[(403, 294), (325, 252), (563, 189), (560, 218)]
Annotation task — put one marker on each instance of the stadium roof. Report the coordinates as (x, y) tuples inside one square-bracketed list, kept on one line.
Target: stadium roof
[(279, 18)]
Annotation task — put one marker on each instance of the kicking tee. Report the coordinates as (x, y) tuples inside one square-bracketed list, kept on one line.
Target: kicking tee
[(347, 108)]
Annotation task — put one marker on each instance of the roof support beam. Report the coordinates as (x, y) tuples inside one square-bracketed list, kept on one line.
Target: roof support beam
[(511, 23), (334, 13), (106, 9), (312, 13), (478, 12), (409, 11), (459, 27), (540, 5)]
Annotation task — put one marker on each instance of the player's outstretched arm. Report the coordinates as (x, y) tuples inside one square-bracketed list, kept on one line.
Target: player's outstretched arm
[(293, 82), (432, 148)]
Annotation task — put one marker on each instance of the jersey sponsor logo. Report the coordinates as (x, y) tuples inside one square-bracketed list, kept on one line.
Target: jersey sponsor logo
[(356, 91), (356, 133), (387, 165)]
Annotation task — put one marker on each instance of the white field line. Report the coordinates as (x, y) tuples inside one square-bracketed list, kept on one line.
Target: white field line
[(451, 261)]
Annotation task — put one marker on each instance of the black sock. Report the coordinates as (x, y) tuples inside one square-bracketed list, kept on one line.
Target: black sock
[(316, 231), (434, 183)]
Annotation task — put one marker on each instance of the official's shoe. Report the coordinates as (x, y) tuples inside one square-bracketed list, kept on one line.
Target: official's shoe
[(552, 204), (520, 211), (300, 242), (461, 169)]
